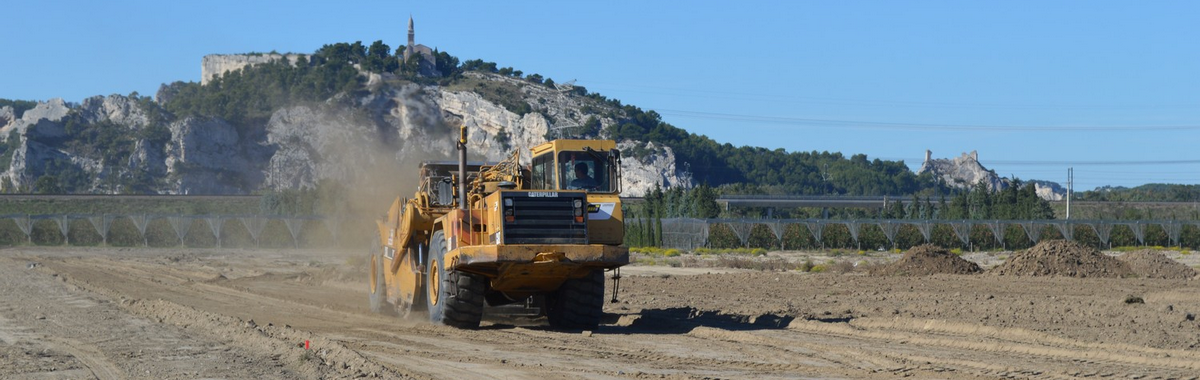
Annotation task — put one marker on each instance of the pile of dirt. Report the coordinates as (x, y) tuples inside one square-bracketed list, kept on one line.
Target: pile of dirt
[(924, 260), (1153, 264), (1062, 258)]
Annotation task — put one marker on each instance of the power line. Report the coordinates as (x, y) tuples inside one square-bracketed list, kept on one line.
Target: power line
[(828, 123), (1092, 163), (663, 90)]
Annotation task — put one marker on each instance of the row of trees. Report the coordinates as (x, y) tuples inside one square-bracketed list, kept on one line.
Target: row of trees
[(1015, 202), (773, 171), (675, 202), (1154, 192), (491, 67)]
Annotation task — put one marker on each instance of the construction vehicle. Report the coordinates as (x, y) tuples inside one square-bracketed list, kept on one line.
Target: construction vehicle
[(497, 233)]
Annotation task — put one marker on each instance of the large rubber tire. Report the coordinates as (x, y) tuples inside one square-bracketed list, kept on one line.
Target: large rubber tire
[(376, 291), (453, 298), (578, 303)]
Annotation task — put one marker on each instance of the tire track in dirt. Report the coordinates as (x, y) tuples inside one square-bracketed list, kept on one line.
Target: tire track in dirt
[(333, 359), (1014, 341), (685, 345), (150, 280), (88, 355)]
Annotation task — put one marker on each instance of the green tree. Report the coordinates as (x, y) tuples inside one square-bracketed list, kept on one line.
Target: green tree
[(47, 184), (704, 202), (591, 127), (379, 58)]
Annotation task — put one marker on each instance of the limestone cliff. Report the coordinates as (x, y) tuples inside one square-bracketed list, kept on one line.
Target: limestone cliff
[(371, 139)]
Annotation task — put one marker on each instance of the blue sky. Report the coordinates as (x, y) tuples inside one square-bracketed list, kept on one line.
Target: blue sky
[(1109, 88)]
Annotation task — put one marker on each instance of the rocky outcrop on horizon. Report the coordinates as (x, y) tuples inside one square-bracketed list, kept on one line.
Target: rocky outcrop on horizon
[(962, 172), (965, 172)]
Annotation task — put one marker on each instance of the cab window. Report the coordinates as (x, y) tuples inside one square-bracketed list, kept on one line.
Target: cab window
[(542, 175), (584, 171)]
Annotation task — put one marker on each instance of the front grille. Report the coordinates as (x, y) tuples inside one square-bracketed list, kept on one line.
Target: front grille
[(544, 219)]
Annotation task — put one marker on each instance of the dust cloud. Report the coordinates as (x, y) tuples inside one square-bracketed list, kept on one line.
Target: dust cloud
[(399, 130)]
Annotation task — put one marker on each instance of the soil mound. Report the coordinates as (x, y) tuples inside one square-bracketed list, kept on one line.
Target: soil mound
[(1062, 258), (1152, 264), (924, 260)]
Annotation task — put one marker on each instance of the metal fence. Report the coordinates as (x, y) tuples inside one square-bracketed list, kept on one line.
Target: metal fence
[(686, 233)]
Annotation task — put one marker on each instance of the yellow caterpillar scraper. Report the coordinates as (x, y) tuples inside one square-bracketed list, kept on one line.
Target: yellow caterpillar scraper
[(477, 234)]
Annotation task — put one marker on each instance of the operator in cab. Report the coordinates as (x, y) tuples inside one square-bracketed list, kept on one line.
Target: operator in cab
[(582, 179)]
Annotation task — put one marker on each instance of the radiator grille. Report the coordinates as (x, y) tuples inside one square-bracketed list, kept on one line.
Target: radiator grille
[(544, 220)]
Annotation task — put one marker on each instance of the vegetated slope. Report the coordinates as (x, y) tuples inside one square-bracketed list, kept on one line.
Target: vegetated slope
[(1152, 192)]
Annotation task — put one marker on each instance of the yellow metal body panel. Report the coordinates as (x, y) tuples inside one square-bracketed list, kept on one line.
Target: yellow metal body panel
[(517, 269), (606, 221), (561, 145)]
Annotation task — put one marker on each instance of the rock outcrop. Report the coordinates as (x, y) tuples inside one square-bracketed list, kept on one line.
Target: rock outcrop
[(7, 116), (962, 172), (1047, 190), (209, 156), (965, 171)]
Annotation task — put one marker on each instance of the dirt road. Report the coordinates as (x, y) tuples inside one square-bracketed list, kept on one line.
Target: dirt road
[(210, 313)]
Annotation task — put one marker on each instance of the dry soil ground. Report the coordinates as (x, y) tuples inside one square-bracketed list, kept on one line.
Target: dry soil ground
[(212, 313)]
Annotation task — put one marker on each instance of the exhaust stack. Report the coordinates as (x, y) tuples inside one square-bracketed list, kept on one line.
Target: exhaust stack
[(462, 168)]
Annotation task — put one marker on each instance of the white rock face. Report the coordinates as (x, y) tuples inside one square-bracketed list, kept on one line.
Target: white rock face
[(44, 118), (216, 64), (208, 157), (115, 108), (640, 176), (7, 116), (31, 157), (485, 121), (962, 172), (1050, 191)]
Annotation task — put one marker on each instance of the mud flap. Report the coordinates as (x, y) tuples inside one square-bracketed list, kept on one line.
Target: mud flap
[(616, 277)]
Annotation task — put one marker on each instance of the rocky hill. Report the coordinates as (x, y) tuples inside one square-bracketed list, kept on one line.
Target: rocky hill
[(373, 137), (965, 171), (355, 117)]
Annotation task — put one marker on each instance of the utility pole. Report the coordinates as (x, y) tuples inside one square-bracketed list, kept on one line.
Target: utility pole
[(1070, 189)]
